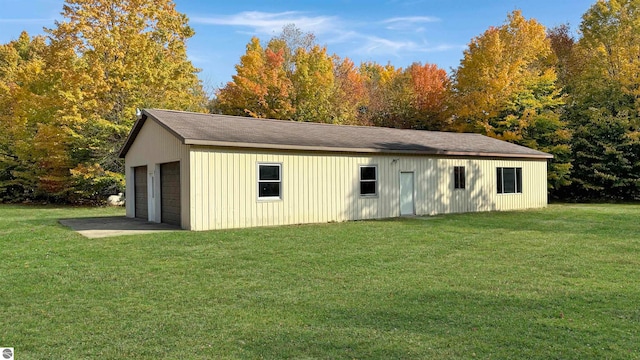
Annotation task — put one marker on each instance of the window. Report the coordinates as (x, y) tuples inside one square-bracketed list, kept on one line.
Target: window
[(509, 180), (368, 180), (459, 177), (269, 181)]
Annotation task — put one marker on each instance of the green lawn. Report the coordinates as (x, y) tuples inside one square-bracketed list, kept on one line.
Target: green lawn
[(557, 283)]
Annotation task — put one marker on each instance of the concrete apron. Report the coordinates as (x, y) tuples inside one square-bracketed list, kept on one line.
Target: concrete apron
[(98, 227)]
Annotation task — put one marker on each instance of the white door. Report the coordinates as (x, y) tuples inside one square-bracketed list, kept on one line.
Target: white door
[(406, 194)]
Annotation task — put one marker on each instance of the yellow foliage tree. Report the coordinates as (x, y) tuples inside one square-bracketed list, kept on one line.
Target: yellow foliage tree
[(134, 53), (313, 83), (505, 87), (68, 102), (498, 65), (38, 131)]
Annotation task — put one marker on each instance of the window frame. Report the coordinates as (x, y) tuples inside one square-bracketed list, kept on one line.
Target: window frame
[(459, 178), (517, 180), (259, 181), (374, 181)]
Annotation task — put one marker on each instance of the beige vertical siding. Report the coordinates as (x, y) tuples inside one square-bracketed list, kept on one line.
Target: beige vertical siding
[(321, 187), (153, 146)]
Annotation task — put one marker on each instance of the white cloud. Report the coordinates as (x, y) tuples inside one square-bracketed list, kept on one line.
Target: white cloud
[(360, 37), (444, 47), (374, 44), (270, 23), (408, 23), (411, 19), (379, 45)]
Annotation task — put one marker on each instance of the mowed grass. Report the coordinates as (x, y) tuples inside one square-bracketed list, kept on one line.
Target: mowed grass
[(556, 283)]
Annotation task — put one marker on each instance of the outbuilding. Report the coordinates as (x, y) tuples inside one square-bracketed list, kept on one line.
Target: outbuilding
[(207, 171)]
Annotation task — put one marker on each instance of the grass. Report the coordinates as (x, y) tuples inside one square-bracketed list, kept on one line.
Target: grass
[(557, 283)]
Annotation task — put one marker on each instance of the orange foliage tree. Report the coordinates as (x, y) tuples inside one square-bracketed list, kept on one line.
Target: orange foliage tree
[(260, 87)]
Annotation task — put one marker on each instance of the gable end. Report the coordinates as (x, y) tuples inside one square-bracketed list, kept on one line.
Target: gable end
[(136, 130)]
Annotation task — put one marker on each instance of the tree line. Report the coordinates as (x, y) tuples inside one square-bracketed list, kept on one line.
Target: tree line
[(68, 99), (578, 99)]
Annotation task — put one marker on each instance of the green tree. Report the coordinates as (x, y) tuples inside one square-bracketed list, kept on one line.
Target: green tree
[(605, 102)]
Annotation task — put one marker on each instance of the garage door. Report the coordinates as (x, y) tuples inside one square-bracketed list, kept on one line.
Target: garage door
[(140, 189), (170, 193)]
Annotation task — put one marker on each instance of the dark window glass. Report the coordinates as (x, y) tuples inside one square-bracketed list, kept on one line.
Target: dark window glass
[(509, 180), (368, 180), (269, 189), (270, 172), (269, 181), (368, 188), (368, 173), (459, 177)]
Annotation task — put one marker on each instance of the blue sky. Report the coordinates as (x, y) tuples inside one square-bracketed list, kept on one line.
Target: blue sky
[(397, 31)]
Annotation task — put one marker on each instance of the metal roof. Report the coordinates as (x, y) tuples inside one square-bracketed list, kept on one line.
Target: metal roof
[(235, 131)]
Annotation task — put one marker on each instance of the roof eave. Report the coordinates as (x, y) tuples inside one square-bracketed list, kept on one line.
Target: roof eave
[(132, 135), (231, 144)]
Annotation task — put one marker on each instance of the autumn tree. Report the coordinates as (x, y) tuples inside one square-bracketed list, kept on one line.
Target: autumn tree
[(291, 78), (260, 87), (68, 101), (37, 130), (313, 84), (605, 103), (310, 69), (291, 40), (373, 84), (505, 87), (563, 46), (428, 96), (135, 54), (411, 98), (383, 92), (348, 96)]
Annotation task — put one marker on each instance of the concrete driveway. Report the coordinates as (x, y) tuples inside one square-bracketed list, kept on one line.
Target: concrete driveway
[(98, 227)]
